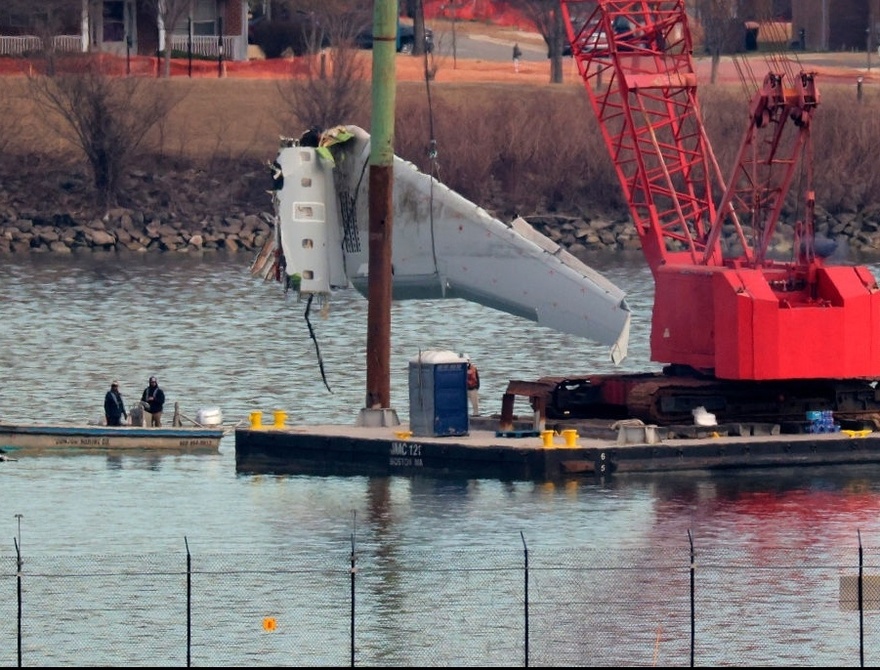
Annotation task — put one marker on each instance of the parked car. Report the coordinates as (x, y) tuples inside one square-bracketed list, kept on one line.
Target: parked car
[(597, 40), (406, 38)]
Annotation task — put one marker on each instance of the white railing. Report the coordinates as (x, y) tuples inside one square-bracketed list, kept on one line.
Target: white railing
[(17, 45), (205, 46)]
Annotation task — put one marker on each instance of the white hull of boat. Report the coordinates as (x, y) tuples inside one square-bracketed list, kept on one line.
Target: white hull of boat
[(443, 246)]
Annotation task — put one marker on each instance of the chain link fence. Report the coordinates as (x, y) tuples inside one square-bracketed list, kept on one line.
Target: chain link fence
[(388, 606)]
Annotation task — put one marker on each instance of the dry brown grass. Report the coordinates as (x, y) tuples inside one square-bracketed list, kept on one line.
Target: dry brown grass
[(509, 141)]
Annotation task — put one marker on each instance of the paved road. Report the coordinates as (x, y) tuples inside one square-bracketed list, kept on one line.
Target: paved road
[(496, 44), (495, 47)]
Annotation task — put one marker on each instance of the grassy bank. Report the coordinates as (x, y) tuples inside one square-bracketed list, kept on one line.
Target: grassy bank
[(514, 149)]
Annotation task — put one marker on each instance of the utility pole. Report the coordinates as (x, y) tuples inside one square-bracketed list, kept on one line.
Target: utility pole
[(381, 206)]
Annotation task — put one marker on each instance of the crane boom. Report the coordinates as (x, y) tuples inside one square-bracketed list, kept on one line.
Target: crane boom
[(636, 63), (725, 310)]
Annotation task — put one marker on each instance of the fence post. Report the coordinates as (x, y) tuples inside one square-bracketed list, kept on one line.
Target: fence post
[(18, 580), (526, 596), (861, 601), (189, 45), (353, 571), (693, 613), (220, 47), (188, 604)]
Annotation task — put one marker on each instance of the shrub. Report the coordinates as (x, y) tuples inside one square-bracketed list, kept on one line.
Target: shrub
[(297, 36)]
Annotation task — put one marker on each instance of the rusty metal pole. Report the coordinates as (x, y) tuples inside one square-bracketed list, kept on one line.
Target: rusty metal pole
[(381, 205)]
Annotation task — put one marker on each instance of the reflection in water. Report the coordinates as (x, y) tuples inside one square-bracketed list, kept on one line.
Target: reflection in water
[(770, 509)]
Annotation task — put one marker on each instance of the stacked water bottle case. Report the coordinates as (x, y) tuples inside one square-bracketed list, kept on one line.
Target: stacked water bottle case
[(822, 422)]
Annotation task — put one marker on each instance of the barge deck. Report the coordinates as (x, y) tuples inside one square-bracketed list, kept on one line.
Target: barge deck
[(577, 449)]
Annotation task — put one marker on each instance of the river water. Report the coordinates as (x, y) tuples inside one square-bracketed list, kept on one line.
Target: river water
[(215, 336)]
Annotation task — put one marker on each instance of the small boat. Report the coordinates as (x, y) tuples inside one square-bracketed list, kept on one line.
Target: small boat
[(82, 437), (73, 437)]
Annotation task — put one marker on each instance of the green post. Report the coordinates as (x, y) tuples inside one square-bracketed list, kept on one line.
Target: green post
[(381, 179)]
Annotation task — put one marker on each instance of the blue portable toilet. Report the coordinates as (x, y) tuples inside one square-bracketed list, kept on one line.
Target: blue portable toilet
[(438, 404)]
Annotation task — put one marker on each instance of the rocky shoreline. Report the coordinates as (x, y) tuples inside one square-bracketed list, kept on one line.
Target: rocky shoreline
[(128, 230), (162, 210), (189, 211)]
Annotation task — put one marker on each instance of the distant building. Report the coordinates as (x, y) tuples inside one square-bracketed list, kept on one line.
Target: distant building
[(837, 25), (130, 26)]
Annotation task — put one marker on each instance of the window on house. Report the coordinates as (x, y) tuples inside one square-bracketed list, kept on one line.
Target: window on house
[(15, 23), (204, 17), (114, 20), (22, 23)]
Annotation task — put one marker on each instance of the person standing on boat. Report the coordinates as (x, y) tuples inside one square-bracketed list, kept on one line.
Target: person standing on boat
[(114, 407), (154, 397), (473, 386)]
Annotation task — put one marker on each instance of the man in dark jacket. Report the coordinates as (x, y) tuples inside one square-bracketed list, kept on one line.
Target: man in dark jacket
[(154, 398), (114, 407)]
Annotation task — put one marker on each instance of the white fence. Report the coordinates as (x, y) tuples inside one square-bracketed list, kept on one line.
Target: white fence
[(18, 45), (203, 46), (206, 46)]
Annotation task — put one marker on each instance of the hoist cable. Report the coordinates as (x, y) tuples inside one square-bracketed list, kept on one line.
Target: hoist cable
[(315, 340), (432, 145)]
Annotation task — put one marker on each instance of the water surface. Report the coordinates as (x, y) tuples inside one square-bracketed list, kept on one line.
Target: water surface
[(215, 336)]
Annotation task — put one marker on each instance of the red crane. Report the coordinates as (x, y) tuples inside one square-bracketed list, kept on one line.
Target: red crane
[(796, 332)]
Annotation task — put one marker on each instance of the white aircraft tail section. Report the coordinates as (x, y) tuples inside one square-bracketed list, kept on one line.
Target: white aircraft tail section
[(443, 246)]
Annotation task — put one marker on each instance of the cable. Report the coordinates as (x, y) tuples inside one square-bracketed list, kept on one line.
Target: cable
[(434, 171), (315, 340)]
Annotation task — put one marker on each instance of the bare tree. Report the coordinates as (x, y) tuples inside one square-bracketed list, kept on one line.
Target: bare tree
[(106, 117), (168, 13), (547, 17), (717, 18), (335, 87), (415, 10)]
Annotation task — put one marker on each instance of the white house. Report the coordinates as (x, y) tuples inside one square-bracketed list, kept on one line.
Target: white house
[(130, 27)]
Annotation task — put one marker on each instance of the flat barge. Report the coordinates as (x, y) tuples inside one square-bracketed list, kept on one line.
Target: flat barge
[(575, 449)]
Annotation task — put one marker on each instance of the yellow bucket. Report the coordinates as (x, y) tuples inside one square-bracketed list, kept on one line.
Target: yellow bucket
[(547, 437), (571, 437), (256, 419), (279, 417), (403, 434)]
